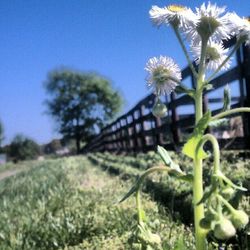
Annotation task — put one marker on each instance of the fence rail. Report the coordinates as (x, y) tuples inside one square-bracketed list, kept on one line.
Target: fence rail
[(138, 130)]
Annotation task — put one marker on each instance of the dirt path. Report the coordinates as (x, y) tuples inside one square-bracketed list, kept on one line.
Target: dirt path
[(9, 173)]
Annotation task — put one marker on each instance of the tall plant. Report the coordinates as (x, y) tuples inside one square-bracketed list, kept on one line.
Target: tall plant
[(205, 30)]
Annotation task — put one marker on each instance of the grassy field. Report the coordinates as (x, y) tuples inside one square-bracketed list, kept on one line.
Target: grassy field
[(72, 203)]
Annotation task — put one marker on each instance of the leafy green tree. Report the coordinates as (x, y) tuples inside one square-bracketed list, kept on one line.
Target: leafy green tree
[(23, 148), (81, 103)]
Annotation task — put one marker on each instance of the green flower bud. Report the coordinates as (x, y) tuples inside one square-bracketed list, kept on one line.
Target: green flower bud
[(146, 237), (224, 229), (205, 223), (159, 109), (228, 193), (239, 219), (208, 221)]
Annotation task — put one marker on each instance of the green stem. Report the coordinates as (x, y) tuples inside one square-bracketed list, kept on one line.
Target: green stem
[(226, 203), (138, 191), (185, 51), (216, 150), (237, 45), (138, 205), (216, 154), (230, 112), (200, 234)]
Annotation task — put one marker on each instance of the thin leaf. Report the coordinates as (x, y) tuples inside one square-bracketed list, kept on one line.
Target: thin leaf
[(219, 123), (229, 182), (206, 195), (227, 99), (167, 159), (202, 123), (182, 89), (129, 193), (187, 178)]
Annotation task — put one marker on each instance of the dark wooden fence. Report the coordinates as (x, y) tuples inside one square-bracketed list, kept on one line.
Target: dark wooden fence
[(139, 131)]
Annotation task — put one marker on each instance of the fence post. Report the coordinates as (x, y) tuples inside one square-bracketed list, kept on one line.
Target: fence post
[(246, 75), (143, 139), (135, 146), (174, 118)]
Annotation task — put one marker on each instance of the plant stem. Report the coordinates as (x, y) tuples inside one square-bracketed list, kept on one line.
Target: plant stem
[(185, 51), (138, 205), (216, 150), (138, 191), (200, 234), (226, 203), (230, 112)]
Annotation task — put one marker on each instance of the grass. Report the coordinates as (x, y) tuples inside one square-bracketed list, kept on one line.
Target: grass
[(71, 204)]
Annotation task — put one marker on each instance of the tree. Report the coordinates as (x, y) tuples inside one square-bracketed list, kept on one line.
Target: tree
[(53, 146), (81, 103), (23, 148)]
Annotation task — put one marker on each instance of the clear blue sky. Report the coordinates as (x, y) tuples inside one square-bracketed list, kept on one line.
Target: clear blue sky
[(112, 37)]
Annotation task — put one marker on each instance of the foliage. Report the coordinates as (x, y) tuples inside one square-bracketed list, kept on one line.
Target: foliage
[(81, 103), (22, 148)]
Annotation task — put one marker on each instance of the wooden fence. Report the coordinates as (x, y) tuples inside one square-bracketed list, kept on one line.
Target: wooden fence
[(139, 131)]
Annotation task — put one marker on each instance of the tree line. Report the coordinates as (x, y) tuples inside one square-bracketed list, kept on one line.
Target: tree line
[(80, 103)]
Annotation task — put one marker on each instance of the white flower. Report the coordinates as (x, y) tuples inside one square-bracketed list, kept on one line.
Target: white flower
[(176, 15), (241, 27), (163, 75), (212, 23), (215, 55), (245, 32)]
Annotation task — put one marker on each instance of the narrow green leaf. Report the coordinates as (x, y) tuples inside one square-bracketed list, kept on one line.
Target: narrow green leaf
[(167, 159), (129, 193), (227, 99), (219, 123), (182, 89), (229, 182), (187, 177), (202, 124), (206, 195)]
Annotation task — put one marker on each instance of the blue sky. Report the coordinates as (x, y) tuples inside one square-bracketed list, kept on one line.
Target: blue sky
[(112, 37)]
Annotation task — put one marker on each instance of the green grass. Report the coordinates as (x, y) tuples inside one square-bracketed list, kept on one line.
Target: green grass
[(177, 195), (70, 203)]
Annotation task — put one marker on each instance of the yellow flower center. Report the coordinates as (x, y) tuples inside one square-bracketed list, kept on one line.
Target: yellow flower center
[(176, 8)]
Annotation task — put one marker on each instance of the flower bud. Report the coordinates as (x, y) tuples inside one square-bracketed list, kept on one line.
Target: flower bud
[(228, 193), (239, 219), (206, 223), (159, 109), (224, 229)]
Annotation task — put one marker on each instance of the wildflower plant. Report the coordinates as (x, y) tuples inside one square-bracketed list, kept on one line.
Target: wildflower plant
[(204, 29)]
